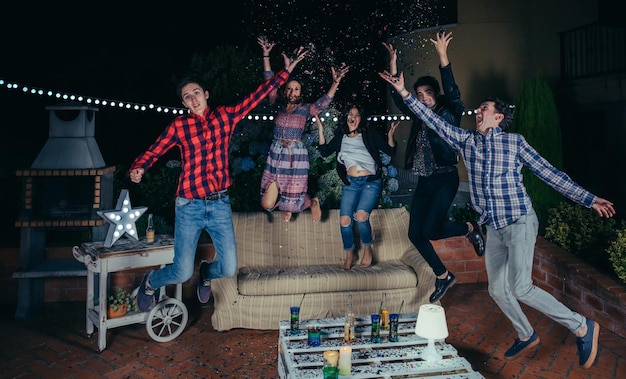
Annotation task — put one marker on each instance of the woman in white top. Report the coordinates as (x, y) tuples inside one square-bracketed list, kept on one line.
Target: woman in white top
[(359, 165)]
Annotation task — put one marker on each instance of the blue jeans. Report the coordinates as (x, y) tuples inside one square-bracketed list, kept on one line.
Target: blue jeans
[(509, 253), (192, 216), (359, 195)]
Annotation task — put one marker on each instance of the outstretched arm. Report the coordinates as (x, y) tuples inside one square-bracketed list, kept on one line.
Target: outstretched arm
[(603, 207)]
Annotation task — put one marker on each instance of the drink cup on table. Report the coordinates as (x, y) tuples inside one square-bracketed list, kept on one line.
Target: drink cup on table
[(393, 327), (313, 336), (375, 336), (295, 320)]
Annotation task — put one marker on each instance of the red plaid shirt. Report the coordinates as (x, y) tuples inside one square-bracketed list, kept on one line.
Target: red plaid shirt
[(203, 142)]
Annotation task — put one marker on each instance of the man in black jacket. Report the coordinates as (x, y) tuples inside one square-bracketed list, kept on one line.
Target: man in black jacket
[(434, 161)]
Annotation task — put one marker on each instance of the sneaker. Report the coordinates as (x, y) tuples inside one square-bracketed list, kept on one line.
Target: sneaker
[(477, 238), (204, 285), (441, 286), (588, 345), (146, 296), (520, 346)]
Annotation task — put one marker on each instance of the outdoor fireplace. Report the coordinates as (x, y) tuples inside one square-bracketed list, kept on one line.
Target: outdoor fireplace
[(65, 187)]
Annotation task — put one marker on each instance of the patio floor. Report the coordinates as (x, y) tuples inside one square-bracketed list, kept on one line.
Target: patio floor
[(54, 345)]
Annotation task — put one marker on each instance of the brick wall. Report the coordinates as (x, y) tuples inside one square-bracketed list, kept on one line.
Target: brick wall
[(581, 287), (569, 279)]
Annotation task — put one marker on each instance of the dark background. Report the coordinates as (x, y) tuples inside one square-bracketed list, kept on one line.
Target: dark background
[(134, 51)]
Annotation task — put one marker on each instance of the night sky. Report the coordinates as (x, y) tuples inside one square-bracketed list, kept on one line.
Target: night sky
[(133, 50)]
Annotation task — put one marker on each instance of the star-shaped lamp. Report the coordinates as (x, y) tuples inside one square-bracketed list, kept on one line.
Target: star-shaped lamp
[(122, 219)]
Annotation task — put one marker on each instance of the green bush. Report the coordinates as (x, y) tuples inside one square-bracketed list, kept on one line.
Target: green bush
[(537, 120), (582, 232), (617, 255), (463, 214)]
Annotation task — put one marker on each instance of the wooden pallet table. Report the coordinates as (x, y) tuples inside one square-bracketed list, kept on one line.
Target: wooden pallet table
[(297, 360)]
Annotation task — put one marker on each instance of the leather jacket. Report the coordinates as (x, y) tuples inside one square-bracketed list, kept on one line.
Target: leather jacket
[(450, 107)]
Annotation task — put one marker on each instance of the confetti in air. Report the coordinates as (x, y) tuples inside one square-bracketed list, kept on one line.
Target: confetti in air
[(350, 32)]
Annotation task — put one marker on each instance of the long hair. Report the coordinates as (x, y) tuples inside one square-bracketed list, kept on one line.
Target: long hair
[(282, 98), (343, 121)]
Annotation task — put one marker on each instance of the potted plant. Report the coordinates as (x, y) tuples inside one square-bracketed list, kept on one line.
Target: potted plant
[(119, 303)]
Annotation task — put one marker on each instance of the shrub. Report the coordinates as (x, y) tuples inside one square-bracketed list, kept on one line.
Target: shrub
[(463, 214), (617, 255), (582, 232)]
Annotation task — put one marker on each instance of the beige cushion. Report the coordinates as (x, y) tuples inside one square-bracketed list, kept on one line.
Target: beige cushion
[(387, 275)]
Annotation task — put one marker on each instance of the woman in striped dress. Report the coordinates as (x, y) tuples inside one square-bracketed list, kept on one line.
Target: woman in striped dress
[(284, 184)]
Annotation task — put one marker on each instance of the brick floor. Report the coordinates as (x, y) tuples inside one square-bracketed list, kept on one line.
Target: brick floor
[(54, 345)]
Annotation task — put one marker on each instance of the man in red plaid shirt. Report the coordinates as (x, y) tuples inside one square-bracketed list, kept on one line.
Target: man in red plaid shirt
[(203, 137)]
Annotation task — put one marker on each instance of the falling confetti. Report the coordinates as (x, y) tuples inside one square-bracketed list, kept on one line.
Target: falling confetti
[(349, 32)]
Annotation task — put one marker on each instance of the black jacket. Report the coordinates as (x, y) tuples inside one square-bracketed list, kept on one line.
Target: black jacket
[(450, 107), (374, 142)]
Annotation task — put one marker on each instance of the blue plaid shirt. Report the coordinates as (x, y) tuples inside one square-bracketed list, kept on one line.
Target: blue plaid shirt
[(494, 164)]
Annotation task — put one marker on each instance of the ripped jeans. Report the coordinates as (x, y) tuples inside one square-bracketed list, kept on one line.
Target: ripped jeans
[(360, 195)]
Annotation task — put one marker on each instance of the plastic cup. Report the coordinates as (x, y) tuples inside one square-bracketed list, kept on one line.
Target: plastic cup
[(295, 320), (313, 335), (331, 372), (375, 336), (393, 327)]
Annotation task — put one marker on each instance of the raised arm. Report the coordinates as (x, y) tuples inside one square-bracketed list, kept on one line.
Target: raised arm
[(338, 74), (320, 131), (291, 63), (396, 81), (441, 46), (393, 58), (267, 48), (392, 131)]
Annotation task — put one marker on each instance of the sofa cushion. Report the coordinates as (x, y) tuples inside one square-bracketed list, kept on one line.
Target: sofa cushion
[(391, 274)]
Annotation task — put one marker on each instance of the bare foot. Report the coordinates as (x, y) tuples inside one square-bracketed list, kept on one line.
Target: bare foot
[(366, 261), (316, 210), (350, 257), (287, 216)]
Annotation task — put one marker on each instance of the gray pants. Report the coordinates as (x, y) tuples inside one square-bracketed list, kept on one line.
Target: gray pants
[(509, 253)]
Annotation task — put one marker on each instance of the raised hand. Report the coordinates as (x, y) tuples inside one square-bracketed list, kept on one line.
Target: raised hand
[(339, 73), (441, 45), (396, 81), (292, 62), (265, 44)]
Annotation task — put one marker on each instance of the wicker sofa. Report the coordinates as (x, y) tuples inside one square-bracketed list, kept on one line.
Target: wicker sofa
[(279, 262)]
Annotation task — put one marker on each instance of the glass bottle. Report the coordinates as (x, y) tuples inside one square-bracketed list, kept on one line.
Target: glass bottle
[(349, 334), (150, 229), (384, 313)]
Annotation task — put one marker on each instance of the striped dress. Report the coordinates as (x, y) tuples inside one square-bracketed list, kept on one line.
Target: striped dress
[(287, 163)]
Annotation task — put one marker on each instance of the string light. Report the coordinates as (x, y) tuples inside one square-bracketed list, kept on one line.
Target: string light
[(118, 104)]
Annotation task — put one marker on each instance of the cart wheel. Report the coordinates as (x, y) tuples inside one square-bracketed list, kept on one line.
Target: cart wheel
[(167, 320)]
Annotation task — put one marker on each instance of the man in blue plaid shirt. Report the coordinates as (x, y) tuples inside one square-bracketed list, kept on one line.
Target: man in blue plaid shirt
[(494, 160)]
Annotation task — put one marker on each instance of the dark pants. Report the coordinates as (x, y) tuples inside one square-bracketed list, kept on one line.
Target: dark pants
[(429, 215)]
